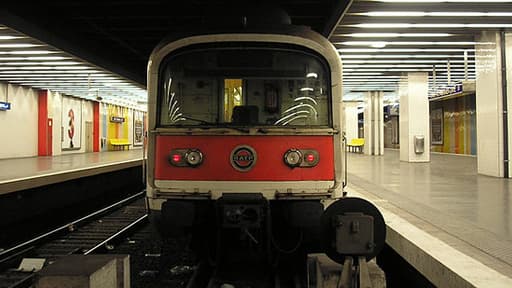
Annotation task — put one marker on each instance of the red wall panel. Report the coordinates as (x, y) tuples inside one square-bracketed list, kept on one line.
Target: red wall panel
[(96, 127), (43, 149)]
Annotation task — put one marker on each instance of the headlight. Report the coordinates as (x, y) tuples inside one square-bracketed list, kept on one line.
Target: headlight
[(194, 157), (293, 158)]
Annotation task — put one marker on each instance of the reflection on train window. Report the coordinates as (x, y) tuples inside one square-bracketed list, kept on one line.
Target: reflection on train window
[(244, 86)]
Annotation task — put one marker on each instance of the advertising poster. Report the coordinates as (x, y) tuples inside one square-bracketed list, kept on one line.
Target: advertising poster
[(71, 123), (138, 128), (436, 126)]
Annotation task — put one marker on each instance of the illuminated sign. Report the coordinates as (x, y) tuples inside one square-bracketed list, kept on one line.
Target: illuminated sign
[(5, 106), (117, 119)]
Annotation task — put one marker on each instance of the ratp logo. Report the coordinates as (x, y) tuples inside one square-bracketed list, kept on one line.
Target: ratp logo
[(243, 158)]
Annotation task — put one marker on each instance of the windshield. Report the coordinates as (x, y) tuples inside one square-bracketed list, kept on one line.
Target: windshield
[(244, 86)]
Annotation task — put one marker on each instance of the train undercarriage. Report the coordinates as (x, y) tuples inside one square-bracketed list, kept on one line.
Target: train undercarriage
[(247, 241)]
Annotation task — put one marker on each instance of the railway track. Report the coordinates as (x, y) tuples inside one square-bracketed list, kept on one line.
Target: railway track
[(90, 234)]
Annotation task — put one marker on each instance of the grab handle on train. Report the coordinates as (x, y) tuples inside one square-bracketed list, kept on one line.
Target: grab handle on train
[(344, 147)]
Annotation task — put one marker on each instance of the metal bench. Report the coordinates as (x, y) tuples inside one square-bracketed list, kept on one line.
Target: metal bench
[(356, 145), (119, 144)]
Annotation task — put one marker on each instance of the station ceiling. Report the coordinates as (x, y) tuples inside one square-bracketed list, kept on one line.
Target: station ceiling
[(378, 40)]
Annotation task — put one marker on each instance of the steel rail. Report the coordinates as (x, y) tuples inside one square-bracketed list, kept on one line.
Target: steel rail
[(66, 226), (126, 228)]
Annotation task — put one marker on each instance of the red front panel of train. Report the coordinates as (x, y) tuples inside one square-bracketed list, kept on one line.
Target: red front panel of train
[(269, 164)]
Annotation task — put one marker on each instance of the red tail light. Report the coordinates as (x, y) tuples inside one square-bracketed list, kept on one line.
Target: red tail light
[(176, 158), (185, 157)]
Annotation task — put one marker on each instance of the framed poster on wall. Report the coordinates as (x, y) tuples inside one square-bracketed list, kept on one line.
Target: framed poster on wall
[(138, 128), (71, 123), (436, 126)]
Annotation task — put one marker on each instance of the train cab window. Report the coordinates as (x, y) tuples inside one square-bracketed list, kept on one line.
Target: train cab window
[(244, 84), (232, 97)]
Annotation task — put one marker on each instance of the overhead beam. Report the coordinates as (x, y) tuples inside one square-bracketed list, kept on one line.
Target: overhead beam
[(340, 8)]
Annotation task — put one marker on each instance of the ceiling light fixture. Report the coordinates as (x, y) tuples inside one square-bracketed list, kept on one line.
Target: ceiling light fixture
[(430, 25), (433, 14), (404, 43), (18, 45), (8, 37), (395, 50), (394, 35), (443, 1), (410, 56), (27, 52)]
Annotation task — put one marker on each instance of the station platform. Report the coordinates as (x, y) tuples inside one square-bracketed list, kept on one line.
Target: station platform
[(24, 173), (451, 224)]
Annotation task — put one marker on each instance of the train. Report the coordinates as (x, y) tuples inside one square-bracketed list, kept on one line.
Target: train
[(245, 147)]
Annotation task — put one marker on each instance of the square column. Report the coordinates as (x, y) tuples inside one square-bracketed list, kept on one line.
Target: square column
[(374, 123), (414, 118), (351, 120), (492, 133)]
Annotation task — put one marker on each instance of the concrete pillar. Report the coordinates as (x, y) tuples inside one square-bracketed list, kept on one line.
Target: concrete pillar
[(374, 123), (351, 120), (492, 131), (414, 117)]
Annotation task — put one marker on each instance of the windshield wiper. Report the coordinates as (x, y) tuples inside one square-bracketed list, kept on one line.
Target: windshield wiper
[(202, 122), (217, 125)]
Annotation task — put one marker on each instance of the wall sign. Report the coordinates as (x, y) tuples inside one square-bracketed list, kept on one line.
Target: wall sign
[(71, 123), (5, 106), (436, 126), (116, 119)]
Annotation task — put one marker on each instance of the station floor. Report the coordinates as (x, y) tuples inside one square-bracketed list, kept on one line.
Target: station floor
[(27, 170), (446, 198)]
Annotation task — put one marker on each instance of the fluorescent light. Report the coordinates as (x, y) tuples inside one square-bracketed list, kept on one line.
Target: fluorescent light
[(361, 73), (378, 44), (393, 35), (18, 45), (14, 71), (400, 66), (444, 1), (366, 77), (371, 80), (395, 70), (33, 58), (8, 37), (42, 63), (27, 52), (434, 14), (392, 13), (46, 67), (412, 56), (430, 25), (401, 61), (395, 50), (418, 43)]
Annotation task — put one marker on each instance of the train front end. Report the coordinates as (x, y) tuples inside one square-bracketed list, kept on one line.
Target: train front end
[(244, 140)]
